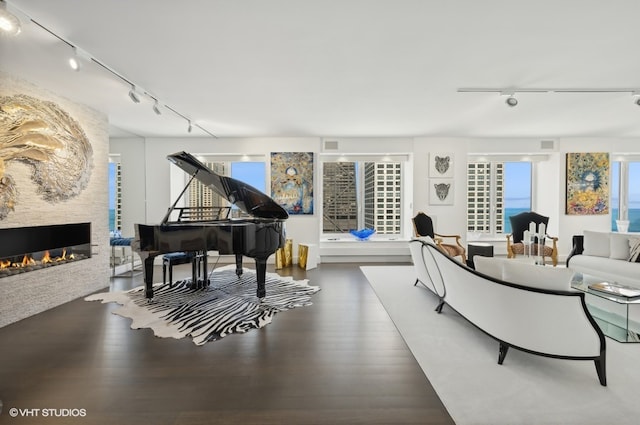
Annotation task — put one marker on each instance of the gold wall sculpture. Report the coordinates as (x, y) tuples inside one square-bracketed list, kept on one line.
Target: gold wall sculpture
[(41, 134)]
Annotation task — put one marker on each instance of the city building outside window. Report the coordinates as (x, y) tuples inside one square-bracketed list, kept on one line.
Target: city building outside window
[(362, 194), (250, 172), (497, 190)]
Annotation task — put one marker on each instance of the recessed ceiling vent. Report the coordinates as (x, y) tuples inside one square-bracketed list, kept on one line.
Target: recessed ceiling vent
[(547, 144), (330, 145)]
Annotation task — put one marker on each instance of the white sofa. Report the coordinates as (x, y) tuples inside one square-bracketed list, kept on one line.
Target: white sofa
[(606, 255), (530, 308)]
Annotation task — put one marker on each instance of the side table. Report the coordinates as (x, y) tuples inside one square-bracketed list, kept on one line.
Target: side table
[(478, 248)]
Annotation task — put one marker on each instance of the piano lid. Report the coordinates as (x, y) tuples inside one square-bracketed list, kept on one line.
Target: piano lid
[(244, 196)]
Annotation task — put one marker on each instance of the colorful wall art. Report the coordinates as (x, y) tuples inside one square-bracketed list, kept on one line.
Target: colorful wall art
[(292, 181), (587, 183)]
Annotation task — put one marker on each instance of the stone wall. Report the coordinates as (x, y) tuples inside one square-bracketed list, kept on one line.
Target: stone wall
[(30, 293)]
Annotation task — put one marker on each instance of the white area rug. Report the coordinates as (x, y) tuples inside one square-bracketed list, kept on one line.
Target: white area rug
[(228, 305), (461, 364)]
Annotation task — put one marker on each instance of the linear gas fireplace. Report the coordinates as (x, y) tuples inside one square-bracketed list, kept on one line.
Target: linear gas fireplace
[(25, 249)]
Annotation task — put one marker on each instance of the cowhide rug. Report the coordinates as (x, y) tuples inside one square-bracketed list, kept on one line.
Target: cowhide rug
[(228, 305)]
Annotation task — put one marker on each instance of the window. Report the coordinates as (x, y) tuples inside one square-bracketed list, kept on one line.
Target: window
[(250, 172), (362, 194), (625, 198), (496, 190)]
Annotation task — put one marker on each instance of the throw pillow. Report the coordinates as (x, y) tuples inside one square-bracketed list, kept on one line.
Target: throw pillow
[(619, 248), (490, 266), (634, 250), (542, 277), (596, 243)]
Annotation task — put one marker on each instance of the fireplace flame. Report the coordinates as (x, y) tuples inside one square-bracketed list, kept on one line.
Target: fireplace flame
[(28, 261), (46, 258)]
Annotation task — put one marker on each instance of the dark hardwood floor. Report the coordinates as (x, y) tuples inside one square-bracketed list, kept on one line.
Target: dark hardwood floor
[(339, 361)]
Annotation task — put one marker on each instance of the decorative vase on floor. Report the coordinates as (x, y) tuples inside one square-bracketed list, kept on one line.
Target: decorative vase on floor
[(288, 252)]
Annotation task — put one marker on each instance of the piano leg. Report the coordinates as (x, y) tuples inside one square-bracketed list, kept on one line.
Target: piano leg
[(148, 277), (238, 265), (261, 275)]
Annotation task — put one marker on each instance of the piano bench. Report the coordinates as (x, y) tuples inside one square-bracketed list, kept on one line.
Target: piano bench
[(173, 259)]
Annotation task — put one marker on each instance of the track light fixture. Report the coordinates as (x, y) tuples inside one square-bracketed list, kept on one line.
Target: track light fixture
[(79, 56), (9, 23), (511, 101), (74, 63), (156, 107), (133, 95), (190, 127)]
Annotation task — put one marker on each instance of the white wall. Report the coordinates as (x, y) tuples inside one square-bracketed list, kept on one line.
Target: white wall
[(447, 219), (148, 196)]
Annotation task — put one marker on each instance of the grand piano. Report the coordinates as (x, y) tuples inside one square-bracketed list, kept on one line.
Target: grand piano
[(257, 236)]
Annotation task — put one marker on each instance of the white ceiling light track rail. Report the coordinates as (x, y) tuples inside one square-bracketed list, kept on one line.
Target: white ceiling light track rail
[(511, 91), (11, 21)]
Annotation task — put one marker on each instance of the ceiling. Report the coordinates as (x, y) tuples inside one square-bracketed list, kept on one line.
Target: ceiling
[(339, 68)]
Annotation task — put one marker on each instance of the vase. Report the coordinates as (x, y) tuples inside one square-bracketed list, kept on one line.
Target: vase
[(622, 225), (288, 252)]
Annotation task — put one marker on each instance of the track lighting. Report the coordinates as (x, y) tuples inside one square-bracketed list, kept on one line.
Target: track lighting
[(133, 95), (156, 107), (511, 101), (74, 63), (9, 23), (79, 56)]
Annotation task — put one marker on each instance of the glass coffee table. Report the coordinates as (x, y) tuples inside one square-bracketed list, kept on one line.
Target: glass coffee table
[(618, 316)]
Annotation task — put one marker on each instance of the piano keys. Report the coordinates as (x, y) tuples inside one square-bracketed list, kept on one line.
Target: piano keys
[(257, 236)]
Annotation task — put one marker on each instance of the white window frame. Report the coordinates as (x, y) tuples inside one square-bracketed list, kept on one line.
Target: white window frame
[(623, 189), (502, 158), (406, 193)]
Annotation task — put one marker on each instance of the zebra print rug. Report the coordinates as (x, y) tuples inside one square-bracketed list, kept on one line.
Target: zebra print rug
[(228, 305)]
